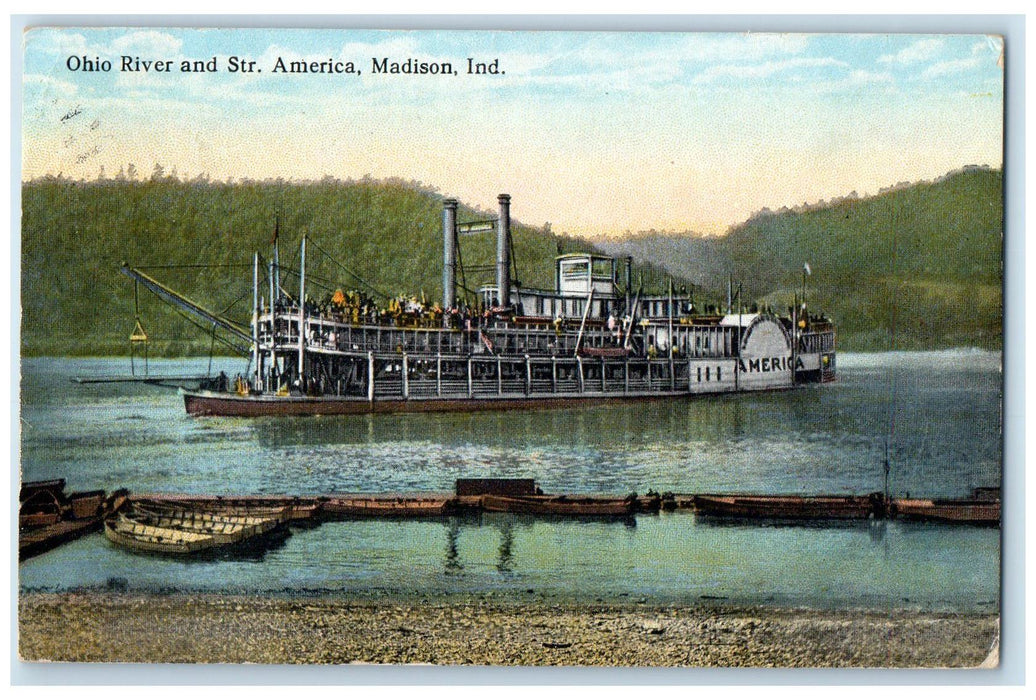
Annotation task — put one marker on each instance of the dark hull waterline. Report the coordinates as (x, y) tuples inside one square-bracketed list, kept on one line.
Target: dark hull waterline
[(204, 403)]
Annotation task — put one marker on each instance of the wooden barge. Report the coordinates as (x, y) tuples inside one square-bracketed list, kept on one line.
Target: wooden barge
[(790, 507), (981, 508), (578, 506), (972, 512), (388, 507), (48, 517)]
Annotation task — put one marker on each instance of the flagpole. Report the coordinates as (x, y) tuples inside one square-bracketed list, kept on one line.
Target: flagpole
[(740, 337), (803, 284), (276, 257), (805, 271)]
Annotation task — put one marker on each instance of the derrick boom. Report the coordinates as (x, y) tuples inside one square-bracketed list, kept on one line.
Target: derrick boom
[(180, 301)]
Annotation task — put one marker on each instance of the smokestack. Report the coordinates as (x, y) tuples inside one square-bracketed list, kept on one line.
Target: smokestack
[(503, 251), (449, 254)]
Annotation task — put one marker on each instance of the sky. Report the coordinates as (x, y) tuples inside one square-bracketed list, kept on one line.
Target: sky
[(596, 133)]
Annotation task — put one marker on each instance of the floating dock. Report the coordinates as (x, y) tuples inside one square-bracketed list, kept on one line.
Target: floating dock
[(49, 518)]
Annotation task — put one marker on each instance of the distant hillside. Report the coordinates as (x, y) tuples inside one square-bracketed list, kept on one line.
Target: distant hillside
[(702, 260), (198, 237), (917, 266)]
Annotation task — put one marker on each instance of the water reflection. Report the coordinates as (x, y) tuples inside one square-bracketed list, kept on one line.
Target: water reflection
[(673, 556), (877, 529), (874, 527), (453, 565), (254, 550), (506, 542)]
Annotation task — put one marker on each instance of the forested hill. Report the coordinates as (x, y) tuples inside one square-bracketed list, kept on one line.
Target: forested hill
[(915, 267), (918, 266), (198, 237)]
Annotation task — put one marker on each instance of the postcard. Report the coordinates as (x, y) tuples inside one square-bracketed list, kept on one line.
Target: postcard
[(511, 348)]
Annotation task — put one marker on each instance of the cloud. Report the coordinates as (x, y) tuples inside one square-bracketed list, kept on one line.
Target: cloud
[(959, 65), (149, 44), (853, 81), (55, 42), (49, 85), (983, 53), (919, 52), (764, 70), (865, 77), (605, 63), (146, 43), (744, 47), (993, 44), (667, 50)]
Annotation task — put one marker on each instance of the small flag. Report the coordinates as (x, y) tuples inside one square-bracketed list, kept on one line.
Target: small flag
[(806, 268)]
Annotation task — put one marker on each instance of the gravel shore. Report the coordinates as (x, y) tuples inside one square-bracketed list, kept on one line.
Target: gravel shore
[(239, 629)]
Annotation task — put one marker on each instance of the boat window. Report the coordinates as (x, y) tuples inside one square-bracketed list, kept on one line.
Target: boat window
[(574, 270)]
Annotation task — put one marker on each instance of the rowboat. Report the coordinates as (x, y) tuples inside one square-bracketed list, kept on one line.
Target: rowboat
[(559, 505), (287, 508), (387, 506), (174, 513), (973, 512), (148, 538), (224, 530), (789, 507)]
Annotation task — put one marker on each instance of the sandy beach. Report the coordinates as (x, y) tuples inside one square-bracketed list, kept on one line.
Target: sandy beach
[(128, 627)]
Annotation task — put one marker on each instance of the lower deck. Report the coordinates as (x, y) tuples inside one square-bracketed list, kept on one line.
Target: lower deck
[(404, 383)]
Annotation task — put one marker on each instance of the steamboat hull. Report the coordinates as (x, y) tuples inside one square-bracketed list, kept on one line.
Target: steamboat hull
[(204, 403)]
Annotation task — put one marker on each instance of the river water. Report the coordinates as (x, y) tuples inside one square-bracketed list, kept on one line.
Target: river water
[(938, 412)]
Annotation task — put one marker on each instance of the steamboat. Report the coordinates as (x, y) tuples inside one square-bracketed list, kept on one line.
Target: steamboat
[(592, 338)]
